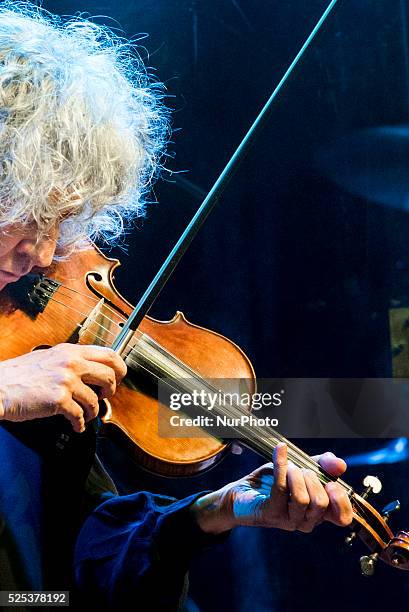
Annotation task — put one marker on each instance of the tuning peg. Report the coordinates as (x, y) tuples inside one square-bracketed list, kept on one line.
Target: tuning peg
[(368, 564), (372, 484), (389, 508)]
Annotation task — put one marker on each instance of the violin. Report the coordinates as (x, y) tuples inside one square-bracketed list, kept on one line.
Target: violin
[(76, 301)]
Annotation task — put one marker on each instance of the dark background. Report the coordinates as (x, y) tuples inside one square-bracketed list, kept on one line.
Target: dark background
[(292, 266)]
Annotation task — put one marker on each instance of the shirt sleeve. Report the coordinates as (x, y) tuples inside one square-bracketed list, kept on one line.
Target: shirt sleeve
[(138, 548)]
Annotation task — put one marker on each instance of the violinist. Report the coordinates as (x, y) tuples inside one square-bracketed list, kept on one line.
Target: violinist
[(83, 130)]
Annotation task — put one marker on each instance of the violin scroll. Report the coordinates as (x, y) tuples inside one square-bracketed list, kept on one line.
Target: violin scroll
[(373, 529), (397, 551)]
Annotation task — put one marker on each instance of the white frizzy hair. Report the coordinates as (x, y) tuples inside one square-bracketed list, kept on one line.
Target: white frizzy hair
[(82, 126)]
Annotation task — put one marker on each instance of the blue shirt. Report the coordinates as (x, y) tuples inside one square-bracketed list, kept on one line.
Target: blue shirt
[(65, 527)]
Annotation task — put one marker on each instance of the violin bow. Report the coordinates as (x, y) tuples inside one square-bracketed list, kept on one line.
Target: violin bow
[(181, 246)]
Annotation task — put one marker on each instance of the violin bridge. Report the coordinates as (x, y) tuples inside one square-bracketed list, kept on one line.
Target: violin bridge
[(96, 327)]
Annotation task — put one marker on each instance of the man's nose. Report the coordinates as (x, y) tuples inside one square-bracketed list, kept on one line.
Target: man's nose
[(39, 252)]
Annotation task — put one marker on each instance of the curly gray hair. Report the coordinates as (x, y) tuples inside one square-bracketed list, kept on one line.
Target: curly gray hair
[(82, 125)]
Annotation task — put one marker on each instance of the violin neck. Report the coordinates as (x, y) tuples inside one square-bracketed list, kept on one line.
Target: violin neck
[(264, 443)]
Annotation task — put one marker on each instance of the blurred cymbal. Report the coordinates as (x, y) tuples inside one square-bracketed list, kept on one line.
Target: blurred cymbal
[(371, 163)]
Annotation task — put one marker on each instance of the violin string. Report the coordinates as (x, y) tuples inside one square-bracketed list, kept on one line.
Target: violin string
[(92, 298), (210, 387), (105, 306), (267, 437), (294, 459), (193, 374), (359, 511), (266, 442), (134, 362), (104, 328), (107, 318), (100, 326)]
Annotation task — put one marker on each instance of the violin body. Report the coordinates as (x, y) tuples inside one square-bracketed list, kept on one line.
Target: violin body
[(132, 414)]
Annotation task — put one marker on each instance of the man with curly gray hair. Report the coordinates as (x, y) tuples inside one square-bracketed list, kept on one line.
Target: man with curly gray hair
[(82, 126), (82, 135)]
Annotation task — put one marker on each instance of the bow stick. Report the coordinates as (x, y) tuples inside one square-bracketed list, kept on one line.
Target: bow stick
[(172, 260)]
